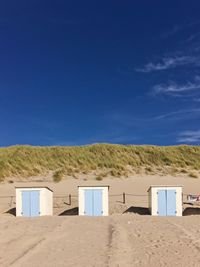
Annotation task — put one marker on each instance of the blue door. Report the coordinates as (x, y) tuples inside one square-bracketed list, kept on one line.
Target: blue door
[(162, 203), (171, 202), (93, 202), (88, 202), (97, 202), (30, 203), (35, 203), (26, 202), (167, 202)]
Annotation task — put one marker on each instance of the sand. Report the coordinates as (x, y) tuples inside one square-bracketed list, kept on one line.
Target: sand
[(125, 238)]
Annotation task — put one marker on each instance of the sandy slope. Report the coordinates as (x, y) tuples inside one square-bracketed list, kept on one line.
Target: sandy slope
[(118, 240)]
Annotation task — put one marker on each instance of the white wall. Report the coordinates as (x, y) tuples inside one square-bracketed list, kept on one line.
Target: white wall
[(49, 202), (153, 199), (82, 198), (46, 200)]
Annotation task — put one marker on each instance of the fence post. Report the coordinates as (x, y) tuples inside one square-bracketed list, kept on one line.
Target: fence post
[(124, 198), (70, 199), (11, 201)]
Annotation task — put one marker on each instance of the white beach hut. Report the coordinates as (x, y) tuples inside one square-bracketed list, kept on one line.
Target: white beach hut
[(165, 200), (93, 200), (34, 201)]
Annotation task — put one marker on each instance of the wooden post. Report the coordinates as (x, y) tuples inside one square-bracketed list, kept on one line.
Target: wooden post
[(11, 201), (70, 199), (124, 198)]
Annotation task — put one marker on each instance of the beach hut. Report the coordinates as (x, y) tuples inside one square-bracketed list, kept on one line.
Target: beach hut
[(93, 200), (165, 200), (34, 201)]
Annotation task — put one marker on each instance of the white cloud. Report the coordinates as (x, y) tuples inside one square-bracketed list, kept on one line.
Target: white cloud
[(182, 114), (189, 137), (168, 63), (174, 88)]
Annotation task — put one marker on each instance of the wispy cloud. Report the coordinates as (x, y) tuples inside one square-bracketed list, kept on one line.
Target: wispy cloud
[(173, 88), (168, 63), (189, 137), (196, 99), (176, 28), (129, 121), (171, 32), (131, 126), (193, 37), (182, 114)]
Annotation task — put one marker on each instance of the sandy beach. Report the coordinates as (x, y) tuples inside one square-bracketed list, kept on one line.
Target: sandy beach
[(128, 237), (100, 133)]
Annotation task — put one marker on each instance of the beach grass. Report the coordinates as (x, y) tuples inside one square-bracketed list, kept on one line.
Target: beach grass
[(117, 160)]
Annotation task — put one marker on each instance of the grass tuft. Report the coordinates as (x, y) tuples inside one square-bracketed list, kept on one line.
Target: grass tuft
[(193, 175), (99, 178), (58, 175)]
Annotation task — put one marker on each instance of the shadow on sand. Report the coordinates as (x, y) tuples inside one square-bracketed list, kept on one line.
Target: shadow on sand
[(138, 210), (70, 212), (191, 211), (11, 211)]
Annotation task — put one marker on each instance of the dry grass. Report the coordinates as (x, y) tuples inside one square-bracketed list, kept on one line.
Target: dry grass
[(193, 175), (99, 178), (25, 161), (58, 175), (149, 169)]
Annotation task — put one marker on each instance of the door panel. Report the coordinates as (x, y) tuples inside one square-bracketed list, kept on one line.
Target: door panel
[(171, 202), (162, 203), (97, 202), (88, 202), (26, 211), (35, 203)]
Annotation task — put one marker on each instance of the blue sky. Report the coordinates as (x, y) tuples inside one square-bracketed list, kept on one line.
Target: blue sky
[(82, 72)]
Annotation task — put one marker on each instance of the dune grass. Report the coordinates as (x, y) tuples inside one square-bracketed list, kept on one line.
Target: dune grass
[(193, 175), (25, 161)]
